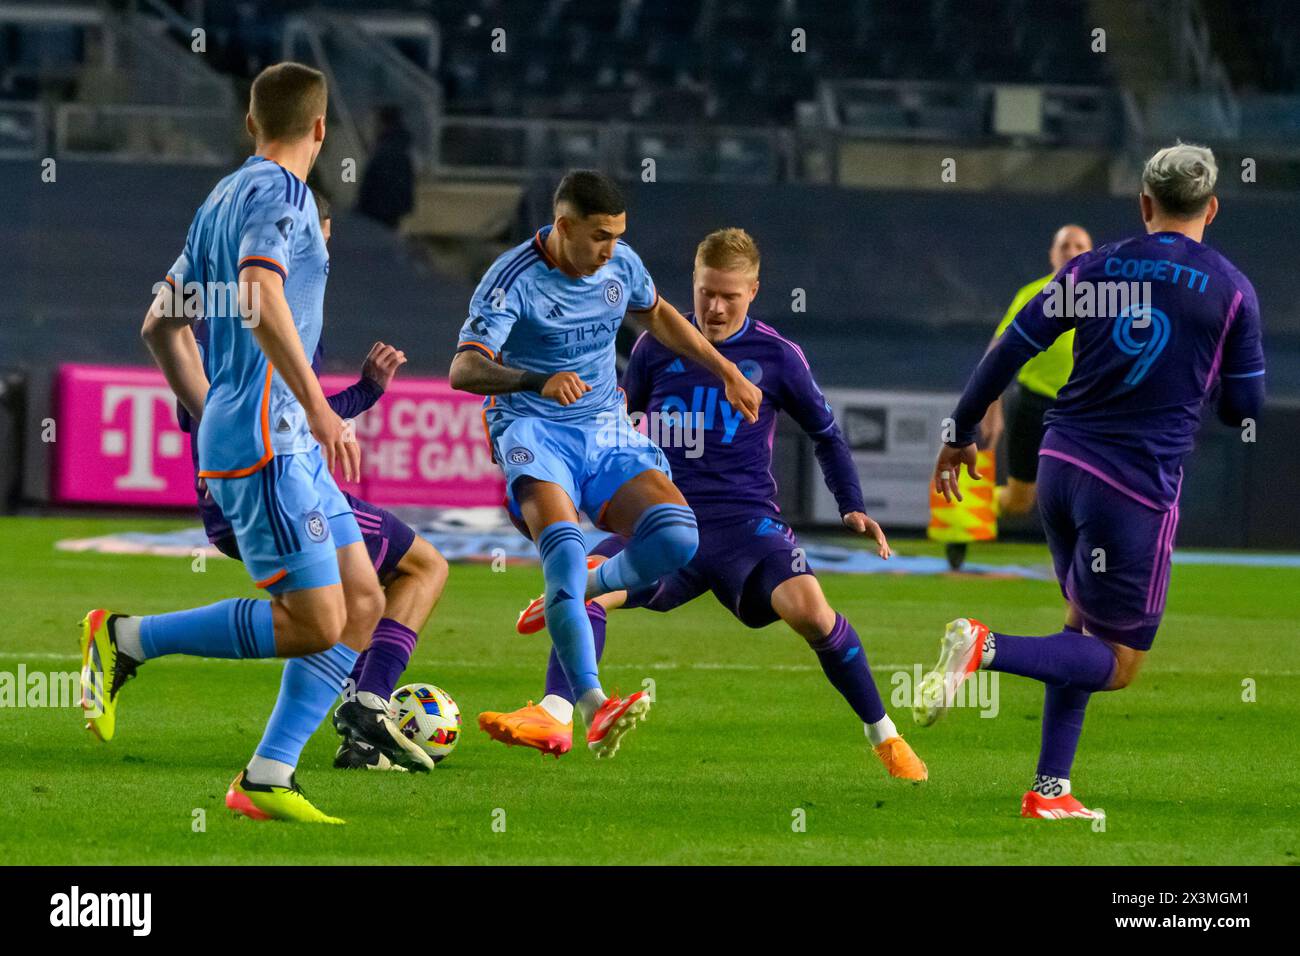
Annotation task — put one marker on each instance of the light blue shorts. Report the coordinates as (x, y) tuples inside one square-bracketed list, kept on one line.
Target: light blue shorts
[(289, 518), (589, 461)]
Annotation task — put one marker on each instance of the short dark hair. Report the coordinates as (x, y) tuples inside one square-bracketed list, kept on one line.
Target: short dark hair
[(285, 101), (591, 193), (322, 205)]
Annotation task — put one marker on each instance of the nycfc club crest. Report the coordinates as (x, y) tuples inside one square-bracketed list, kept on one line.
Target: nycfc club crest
[(519, 456), (613, 292), (318, 528)]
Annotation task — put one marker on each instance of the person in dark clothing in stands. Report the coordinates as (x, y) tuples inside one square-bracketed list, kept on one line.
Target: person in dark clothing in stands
[(388, 185)]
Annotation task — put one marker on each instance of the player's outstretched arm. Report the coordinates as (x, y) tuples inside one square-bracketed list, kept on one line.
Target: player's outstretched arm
[(171, 342), (261, 298), (671, 328), (377, 373)]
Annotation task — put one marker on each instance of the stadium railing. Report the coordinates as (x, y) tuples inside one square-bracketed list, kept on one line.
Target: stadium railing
[(145, 134), (487, 147), (367, 73)]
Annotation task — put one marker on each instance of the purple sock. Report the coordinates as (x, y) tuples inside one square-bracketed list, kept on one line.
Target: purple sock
[(1063, 709), (1067, 659), (380, 665), (845, 663), (556, 682)]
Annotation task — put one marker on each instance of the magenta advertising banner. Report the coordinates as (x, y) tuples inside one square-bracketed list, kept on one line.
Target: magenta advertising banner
[(117, 442)]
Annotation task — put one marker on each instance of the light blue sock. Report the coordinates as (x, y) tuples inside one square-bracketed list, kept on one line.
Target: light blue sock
[(564, 565), (664, 539), (307, 690), (239, 627)]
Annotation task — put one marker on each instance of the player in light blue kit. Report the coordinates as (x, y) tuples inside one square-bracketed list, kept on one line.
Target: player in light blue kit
[(539, 342), (254, 267)]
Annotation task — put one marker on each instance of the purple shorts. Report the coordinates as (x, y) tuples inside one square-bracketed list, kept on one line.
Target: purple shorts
[(1112, 553), (387, 538), (740, 561)]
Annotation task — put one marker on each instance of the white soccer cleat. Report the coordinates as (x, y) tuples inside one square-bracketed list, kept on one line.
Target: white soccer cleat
[(959, 656)]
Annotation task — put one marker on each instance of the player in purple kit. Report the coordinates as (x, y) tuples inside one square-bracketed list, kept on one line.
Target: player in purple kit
[(1112, 454), (410, 569), (748, 556)]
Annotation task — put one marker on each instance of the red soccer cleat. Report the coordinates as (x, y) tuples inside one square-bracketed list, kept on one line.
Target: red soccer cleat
[(1037, 806), (613, 720)]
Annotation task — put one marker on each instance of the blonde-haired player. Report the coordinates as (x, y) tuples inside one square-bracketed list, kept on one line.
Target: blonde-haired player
[(748, 556)]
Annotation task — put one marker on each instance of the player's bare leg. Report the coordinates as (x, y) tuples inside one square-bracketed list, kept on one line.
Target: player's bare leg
[(369, 727), (801, 603), (1017, 497)]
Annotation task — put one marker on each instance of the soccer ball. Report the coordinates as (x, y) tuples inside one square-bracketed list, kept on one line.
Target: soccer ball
[(427, 715)]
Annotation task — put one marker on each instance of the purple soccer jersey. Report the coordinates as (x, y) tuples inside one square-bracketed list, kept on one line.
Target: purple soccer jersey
[(1130, 410), (1122, 425), (730, 476)]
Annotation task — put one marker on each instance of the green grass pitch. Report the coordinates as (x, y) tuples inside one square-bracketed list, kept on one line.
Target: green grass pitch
[(745, 733)]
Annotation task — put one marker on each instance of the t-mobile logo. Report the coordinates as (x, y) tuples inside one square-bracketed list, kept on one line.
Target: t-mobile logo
[(137, 440)]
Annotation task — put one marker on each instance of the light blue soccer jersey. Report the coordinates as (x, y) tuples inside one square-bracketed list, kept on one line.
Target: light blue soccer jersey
[(259, 215), (528, 313)]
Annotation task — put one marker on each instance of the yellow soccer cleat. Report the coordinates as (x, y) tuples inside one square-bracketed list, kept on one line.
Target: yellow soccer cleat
[(265, 802), (901, 760), (103, 672), (530, 726)]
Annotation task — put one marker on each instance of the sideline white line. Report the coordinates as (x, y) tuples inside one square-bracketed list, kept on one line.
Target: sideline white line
[(657, 666)]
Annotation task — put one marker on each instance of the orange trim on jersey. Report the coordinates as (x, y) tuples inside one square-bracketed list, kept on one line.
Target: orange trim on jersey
[(284, 273), (266, 437), (170, 281), (267, 582), (546, 256), (651, 306), (483, 348), (541, 250)]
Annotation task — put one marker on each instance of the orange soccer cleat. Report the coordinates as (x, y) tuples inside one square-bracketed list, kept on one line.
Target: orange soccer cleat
[(531, 726), (533, 618), (901, 760), (1037, 806)]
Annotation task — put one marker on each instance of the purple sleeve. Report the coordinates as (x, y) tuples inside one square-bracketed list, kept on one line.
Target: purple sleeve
[(1030, 332), (355, 399), (1243, 352), (803, 400), (636, 379), (1241, 398), (1242, 375)]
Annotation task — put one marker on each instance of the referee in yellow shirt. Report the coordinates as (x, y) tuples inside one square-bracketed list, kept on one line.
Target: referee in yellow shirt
[(1036, 387)]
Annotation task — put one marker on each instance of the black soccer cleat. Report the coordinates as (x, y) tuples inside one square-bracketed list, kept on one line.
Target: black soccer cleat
[(359, 724), (359, 755)]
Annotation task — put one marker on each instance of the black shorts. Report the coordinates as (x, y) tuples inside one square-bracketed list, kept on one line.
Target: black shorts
[(1024, 429)]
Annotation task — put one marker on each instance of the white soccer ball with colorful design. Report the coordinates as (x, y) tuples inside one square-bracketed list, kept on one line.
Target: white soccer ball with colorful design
[(427, 715)]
